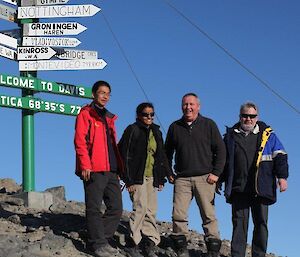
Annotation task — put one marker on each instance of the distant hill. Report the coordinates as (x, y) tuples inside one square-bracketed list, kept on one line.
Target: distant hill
[(60, 231)]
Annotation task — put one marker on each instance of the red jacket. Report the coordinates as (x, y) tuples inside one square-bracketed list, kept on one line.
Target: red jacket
[(91, 142)]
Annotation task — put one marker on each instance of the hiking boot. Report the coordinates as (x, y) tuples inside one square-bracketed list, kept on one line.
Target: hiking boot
[(106, 251), (133, 251), (149, 248), (213, 247)]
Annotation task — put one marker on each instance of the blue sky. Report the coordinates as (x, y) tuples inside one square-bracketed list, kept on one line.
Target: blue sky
[(170, 57)]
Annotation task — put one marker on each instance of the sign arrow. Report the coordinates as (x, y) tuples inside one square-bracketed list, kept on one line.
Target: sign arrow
[(51, 41), (53, 29), (98, 64), (42, 2), (72, 54), (39, 85), (8, 13), (57, 11), (14, 2), (8, 53), (35, 53), (38, 105), (8, 41)]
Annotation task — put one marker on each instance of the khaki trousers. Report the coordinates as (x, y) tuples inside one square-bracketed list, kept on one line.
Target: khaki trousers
[(184, 191), (143, 216)]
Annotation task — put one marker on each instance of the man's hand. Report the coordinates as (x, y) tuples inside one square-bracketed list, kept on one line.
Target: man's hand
[(86, 175), (283, 185), (131, 188), (211, 179), (160, 187), (171, 179)]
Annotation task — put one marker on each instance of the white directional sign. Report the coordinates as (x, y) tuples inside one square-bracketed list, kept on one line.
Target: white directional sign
[(8, 13), (53, 29), (8, 53), (8, 41), (58, 11), (14, 2), (16, 33), (71, 54), (98, 64), (35, 53), (51, 41), (42, 2)]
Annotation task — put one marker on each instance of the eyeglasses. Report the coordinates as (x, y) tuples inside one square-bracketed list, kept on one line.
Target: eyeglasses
[(251, 116), (146, 114)]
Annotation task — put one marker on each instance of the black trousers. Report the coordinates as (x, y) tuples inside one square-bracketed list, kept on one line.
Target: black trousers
[(241, 204), (102, 186)]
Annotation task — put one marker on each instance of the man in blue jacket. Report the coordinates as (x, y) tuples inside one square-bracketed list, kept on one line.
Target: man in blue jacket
[(256, 163)]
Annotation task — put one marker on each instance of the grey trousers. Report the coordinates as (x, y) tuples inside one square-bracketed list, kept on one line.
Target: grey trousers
[(143, 216), (185, 189)]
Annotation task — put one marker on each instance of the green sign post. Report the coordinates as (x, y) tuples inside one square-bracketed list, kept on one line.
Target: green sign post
[(30, 84)]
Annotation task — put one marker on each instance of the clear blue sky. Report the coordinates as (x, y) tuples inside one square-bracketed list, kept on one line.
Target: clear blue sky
[(170, 58)]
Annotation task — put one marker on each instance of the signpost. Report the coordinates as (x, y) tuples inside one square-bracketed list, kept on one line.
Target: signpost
[(53, 29), (98, 64), (38, 105), (42, 2), (71, 54), (8, 13), (51, 41), (57, 11), (35, 53), (8, 41), (8, 53), (39, 85)]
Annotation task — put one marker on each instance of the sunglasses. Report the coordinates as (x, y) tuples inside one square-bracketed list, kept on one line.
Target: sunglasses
[(251, 116), (145, 114)]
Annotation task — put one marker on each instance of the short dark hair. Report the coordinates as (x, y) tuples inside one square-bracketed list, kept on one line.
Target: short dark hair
[(142, 106), (191, 94), (98, 84)]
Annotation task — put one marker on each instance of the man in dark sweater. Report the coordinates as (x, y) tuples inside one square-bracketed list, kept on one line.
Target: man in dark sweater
[(199, 161)]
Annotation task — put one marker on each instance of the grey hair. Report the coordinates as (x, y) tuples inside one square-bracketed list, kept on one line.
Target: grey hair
[(191, 94), (248, 105)]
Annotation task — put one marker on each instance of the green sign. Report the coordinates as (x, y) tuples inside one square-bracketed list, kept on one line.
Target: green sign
[(45, 86), (38, 105)]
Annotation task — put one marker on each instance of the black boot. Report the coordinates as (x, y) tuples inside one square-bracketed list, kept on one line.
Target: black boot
[(180, 245), (213, 247), (149, 248), (131, 249)]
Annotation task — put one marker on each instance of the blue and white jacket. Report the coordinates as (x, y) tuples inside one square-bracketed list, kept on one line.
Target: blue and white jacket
[(271, 163)]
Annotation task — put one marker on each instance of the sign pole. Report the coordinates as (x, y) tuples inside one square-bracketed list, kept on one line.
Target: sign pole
[(28, 164)]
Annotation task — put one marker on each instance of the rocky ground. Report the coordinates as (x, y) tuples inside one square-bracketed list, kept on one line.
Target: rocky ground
[(60, 231)]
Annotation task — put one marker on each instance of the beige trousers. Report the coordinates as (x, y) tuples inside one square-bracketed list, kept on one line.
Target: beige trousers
[(143, 216), (184, 191)]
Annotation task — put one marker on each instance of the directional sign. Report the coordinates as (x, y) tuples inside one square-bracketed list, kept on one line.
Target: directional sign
[(8, 53), (58, 11), (14, 2), (39, 85), (8, 41), (98, 64), (42, 2), (51, 41), (16, 33), (8, 13), (53, 29), (38, 105), (71, 54), (35, 53)]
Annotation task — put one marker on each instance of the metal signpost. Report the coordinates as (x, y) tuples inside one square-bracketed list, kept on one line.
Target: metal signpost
[(35, 52)]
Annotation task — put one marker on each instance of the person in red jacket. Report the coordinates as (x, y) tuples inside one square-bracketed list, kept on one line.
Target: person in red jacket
[(98, 164)]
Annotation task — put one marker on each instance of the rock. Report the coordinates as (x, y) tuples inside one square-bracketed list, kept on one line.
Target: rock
[(8, 185), (61, 231)]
